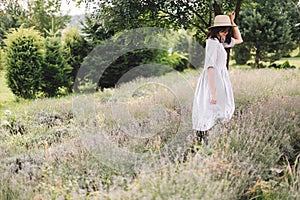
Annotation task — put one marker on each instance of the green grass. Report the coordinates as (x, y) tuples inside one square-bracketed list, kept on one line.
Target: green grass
[(293, 60), (85, 146), (6, 96)]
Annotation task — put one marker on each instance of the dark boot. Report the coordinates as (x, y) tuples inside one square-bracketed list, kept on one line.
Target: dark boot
[(205, 137), (199, 136), (202, 136)]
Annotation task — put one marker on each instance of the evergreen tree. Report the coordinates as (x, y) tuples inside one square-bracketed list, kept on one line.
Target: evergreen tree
[(56, 72), (292, 8), (266, 30), (46, 16), (24, 59)]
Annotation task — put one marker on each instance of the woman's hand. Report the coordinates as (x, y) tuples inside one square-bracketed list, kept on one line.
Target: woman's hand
[(213, 99), (232, 18)]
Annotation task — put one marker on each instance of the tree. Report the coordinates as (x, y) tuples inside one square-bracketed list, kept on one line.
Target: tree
[(46, 16), (242, 54), (292, 8), (198, 15), (113, 16), (266, 30), (56, 71), (12, 16), (24, 59)]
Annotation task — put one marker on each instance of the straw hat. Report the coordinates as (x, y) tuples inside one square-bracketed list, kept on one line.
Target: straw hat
[(221, 20)]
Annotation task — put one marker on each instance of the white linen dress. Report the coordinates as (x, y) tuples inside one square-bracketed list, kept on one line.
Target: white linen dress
[(205, 115)]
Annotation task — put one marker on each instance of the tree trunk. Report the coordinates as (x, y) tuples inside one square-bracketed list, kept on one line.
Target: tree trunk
[(228, 57), (237, 10), (217, 8)]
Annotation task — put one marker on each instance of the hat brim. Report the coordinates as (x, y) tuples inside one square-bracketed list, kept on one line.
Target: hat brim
[(222, 25)]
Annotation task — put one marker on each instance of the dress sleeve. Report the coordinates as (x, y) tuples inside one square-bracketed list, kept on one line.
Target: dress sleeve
[(230, 45), (210, 53)]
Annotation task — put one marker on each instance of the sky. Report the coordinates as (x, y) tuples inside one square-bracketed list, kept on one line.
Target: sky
[(67, 8), (71, 8)]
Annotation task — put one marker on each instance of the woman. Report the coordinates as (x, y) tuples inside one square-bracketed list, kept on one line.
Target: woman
[(213, 99)]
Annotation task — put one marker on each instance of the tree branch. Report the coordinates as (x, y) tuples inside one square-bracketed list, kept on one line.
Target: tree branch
[(217, 8), (199, 27), (191, 8), (237, 9)]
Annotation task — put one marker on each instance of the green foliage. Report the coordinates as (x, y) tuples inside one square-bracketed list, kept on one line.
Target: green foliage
[(176, 61), (284, 65), (126, 55), (266, 30), (56, 72), (75, 49), (1, 60), (46, 17), (95, 31), (292, 9), (132, 63), (242, 54), (24, 60), (12, 16), (114, 15)]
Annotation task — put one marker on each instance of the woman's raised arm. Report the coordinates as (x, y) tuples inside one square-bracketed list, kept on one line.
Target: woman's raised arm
[(236, 32)]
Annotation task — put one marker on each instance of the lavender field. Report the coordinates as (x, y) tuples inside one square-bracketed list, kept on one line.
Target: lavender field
[(136, 142)]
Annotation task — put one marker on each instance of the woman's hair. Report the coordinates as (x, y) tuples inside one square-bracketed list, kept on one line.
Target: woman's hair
[(213, 33)]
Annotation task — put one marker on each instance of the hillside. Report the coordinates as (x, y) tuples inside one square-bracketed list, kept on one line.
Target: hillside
[(136, 142)]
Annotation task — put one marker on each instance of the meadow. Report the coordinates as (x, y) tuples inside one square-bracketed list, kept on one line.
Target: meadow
[(135, 142)]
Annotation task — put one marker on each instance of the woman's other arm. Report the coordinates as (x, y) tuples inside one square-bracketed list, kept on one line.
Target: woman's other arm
[(211, 84)]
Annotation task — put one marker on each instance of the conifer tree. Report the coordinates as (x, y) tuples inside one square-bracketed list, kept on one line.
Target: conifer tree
[(24, 58), (266, 31), (56, 72)]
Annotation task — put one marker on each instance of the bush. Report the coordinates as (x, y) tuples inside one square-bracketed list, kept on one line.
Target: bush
[(24, 58), (241, 54), (127, 67), (56, 72), (285, 65), (100, 71), (177, 61)]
